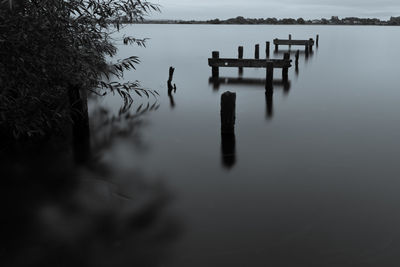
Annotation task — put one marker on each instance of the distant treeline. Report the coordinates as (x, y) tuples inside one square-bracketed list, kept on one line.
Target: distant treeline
[(334, 20)]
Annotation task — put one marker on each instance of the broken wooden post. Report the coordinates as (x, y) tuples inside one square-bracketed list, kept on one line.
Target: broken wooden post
[(286, 57), (317, 40), (215, 70), (270, 76), (257, 51), (228, 106), (276, 45), (170, 77), (240, 56), (267, 49)]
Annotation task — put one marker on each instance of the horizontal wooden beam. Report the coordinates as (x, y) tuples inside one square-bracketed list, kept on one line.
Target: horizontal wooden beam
[(293, 42), (248, 63)]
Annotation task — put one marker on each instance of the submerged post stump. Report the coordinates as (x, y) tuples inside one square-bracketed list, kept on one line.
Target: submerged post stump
[(240, 56), (290, 39), (310, 44), (267, 49), (317, 40), (257, 51), (276, 45), (215, 70), (297, 57), (228, 106)]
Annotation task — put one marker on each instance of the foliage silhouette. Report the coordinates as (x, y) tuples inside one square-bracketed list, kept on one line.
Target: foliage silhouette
[(49, 46)]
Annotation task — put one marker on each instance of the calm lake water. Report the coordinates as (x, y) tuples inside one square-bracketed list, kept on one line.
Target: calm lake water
[(316, 173), (315, 183)]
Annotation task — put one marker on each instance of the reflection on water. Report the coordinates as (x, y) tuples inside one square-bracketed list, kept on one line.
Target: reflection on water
[(269, 104), (57, 213)]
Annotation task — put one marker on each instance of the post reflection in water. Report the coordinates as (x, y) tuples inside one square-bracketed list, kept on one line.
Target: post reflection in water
[(228, 140), (250, 82), (306, 55), (269, 104)]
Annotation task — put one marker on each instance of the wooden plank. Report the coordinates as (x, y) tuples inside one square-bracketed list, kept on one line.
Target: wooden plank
[(248, 63), (293, 42)]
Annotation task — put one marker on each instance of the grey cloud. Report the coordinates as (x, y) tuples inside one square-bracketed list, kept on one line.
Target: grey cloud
[(207, 9)]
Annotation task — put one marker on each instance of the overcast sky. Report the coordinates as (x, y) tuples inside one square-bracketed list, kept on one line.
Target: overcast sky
[(308, 9)]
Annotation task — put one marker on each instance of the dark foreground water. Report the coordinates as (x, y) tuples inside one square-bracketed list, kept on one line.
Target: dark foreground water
[(314, 180)]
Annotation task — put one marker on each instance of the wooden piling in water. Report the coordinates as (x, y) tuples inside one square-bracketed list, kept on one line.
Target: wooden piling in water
[(228, 106), (257, 51), (297, 57), (276, 46), (215, 70), (290, 39), (310, 44), (317, 40), (267, 49), (169, 82), (240, 56), (286, 56)]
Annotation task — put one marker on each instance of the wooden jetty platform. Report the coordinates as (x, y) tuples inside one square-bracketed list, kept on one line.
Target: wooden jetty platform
[(270, 64), (308, 44)]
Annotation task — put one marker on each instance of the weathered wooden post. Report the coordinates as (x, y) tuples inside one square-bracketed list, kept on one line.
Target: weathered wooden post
[(169, 82), (267, 49), (270, 76), (240, 56), (215, 70), (276, 45), (290, 39), (286, 57), (297, 57), (228, 117), (257, 51), (311, 44), (306, 49), (317, 40), (269, 104), (228, 106)]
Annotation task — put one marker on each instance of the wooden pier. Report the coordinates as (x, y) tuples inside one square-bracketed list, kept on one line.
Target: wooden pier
[(308, 44), (270, 64)]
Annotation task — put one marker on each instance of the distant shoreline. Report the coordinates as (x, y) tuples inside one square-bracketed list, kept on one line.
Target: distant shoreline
[(334, 20)]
